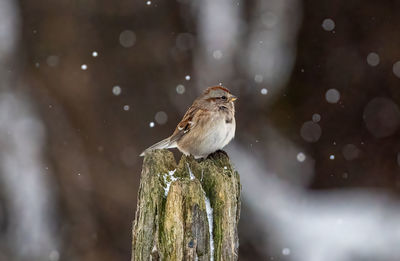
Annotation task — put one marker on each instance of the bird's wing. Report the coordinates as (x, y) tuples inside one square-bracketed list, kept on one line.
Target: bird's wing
[(183, 127), (186, 124)]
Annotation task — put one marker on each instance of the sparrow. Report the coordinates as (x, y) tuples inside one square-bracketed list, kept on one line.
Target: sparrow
[(207, 126)]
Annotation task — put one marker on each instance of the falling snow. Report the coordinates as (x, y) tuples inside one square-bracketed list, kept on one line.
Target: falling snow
[(328, 24), (286, 251), (161, 117), (52, 60), (382, 117), (258, 78), (332, 96), (396, 69), (116, 90), (310, 131), (217, 54), (151, 124), (351, 152), (127, 38), (373, 59), (316, 117), (180, 89), (264, 91), (84, 67), (301, 157)]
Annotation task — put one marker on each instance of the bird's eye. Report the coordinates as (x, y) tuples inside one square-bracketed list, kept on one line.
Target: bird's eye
[(223, 97)]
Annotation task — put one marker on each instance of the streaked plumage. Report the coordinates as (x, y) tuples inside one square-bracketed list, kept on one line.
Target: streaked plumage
[(207, 126)]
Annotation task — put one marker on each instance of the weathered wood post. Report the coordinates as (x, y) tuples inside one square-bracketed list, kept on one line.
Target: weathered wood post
[(188, 211)]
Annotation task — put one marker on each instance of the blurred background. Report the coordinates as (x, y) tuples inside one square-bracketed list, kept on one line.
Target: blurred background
[(86, 85)]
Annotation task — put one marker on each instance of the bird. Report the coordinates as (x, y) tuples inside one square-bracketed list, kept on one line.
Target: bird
[(207, 126)]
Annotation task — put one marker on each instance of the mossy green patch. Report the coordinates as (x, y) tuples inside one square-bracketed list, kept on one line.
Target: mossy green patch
[(175, 227)]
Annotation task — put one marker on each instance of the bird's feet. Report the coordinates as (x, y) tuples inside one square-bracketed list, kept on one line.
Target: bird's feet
[(217, 154)]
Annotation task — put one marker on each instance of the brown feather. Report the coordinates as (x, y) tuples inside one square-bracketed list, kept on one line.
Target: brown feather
[(192, 135), (216, 88)]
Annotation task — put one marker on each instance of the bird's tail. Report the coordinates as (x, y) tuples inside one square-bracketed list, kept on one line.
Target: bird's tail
[(164, 144)]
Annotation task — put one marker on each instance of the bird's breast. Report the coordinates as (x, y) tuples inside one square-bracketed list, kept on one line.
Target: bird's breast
[(211, 133)]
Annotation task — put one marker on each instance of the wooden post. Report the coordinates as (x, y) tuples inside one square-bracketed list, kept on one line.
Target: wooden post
[(188, 211)]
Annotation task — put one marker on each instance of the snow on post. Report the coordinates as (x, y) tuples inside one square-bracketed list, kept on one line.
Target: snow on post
[(187, 211)]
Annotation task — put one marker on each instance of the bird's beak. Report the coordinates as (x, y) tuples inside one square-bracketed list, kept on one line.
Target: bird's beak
[(233, 98)]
